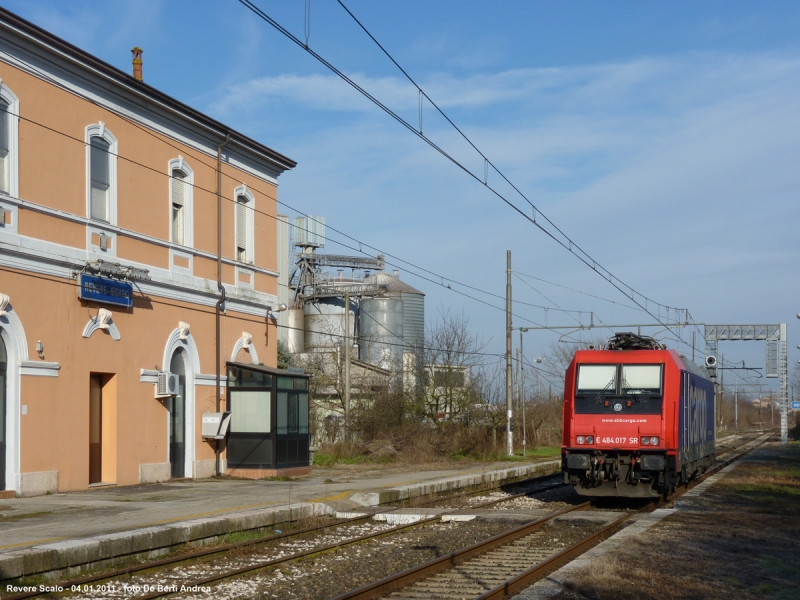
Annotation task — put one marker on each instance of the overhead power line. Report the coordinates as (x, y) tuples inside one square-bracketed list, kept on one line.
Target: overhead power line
[(559, 236), (435, 278), (274, 217)]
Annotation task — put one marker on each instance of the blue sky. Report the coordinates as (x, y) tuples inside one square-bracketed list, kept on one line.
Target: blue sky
[(664, 139)]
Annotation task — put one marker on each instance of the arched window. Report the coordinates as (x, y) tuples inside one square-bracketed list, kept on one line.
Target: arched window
[(180, 202), (177, 418), (101, 170), (9, 123), (245, 204)]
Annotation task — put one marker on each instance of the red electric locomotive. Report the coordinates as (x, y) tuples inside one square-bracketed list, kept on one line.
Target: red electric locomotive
[(638, 419)]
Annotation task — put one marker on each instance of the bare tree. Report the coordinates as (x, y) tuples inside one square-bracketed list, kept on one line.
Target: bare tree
[(448, 368)]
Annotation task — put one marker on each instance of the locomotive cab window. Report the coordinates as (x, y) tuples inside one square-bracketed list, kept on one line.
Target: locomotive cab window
[(641, 379), (618, 389), (597, 378)]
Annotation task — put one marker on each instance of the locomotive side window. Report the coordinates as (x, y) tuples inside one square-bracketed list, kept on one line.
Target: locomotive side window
[(597, 378), (618, 389)]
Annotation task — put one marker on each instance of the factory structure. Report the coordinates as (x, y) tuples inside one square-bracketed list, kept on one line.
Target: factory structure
[(336, 301)]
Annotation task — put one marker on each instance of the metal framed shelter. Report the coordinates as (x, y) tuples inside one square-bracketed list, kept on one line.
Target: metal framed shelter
[(768, 333)]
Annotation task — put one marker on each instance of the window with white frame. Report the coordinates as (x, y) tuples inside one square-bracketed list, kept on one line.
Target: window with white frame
[(244, 206), (178, 214), (180, 202), (101, 158), (9, 122)]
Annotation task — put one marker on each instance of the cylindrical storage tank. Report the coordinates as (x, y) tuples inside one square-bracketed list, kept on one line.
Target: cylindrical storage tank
[(413, 320), (295, 335), (324, 322), (381, 332)]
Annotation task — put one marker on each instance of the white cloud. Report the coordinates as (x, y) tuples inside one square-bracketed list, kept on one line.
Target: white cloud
[(678, 174)]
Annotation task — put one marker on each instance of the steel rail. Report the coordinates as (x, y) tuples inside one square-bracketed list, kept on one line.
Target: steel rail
[(447, 561), (547, 566), (331, 547), (210, 553), (400, 580)]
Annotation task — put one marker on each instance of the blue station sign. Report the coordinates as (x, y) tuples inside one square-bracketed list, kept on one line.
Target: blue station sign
[(105, 291), (795, 405)]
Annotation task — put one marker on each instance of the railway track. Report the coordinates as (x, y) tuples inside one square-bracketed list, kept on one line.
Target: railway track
[(504, 565), (95, 580), (511, 551)]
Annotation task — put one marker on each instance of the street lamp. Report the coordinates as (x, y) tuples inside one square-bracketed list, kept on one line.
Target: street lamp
[(537, 360)]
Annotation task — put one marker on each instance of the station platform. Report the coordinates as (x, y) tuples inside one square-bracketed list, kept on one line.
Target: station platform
[(64, 533)]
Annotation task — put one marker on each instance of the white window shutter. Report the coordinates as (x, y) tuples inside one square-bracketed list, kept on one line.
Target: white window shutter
[(99, 172), (99, 159), (241, 222), (3, 126), (5, 148), (178, 185), (99, 202)]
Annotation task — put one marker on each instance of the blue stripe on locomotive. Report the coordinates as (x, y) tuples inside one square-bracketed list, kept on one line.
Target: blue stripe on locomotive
[(696, 419)]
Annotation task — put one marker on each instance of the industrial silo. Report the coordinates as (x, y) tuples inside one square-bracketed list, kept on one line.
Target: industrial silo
[(412, 335), (381, 331), (295, 331), (413, 307), (325, 323)]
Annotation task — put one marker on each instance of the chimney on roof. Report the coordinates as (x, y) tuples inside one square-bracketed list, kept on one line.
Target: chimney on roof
[(137, 63)]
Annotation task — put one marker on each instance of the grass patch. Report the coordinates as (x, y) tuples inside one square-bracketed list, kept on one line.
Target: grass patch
[(544, 451), (324, 459)]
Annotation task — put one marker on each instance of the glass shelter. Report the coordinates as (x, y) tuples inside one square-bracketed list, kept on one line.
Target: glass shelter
[(269, 418)]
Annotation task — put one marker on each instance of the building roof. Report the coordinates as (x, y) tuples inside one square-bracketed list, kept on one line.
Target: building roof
[(44, 38)]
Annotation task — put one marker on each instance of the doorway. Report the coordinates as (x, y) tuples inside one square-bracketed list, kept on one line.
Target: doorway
[(3, 408), (102, 429), (95, 429), (177, 419)]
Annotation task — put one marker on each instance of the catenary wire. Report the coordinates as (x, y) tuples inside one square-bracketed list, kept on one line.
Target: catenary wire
[(361, 244), (163, 140), (274, 217), (567, 243)]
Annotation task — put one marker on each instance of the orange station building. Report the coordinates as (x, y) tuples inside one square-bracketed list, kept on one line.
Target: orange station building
[(108, 270)]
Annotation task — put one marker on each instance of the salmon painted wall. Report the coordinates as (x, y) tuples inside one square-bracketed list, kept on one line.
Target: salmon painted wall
[(52, 172), (55, 430)]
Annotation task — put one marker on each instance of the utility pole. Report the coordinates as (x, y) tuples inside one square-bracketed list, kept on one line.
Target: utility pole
[(347, 365), (519, 386), (509, 433), (736, 405), (722, 390), (522, 394), (772, 407)]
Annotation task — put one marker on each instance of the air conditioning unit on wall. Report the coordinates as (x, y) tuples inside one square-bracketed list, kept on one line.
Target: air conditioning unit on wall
[(167, 385)]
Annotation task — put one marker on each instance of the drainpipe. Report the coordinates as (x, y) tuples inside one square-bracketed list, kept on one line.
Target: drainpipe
[(220, 287)]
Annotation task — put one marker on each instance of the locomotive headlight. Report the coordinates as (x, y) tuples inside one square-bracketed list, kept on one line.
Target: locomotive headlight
[(645, 441), (654, 441), (579, 439), (590, 439)]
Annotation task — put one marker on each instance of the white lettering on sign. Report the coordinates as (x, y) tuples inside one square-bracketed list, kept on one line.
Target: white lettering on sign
[(619, 440)]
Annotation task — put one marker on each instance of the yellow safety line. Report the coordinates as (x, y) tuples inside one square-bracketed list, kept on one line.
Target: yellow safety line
[(336, 497)]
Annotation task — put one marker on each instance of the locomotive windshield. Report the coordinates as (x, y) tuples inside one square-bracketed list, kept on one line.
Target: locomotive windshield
[(597, 377), (618, 389)]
